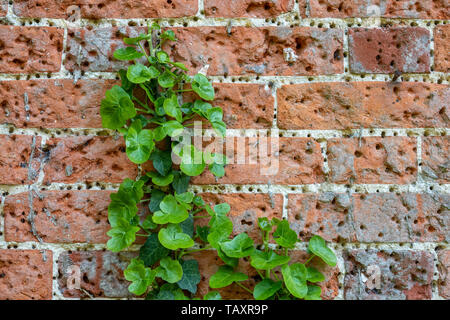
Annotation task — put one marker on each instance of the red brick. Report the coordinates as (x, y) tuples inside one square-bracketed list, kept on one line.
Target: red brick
[(338, 105), (30, 49), (386, 50), (96, 9), (444, 273), (388, 217), (291, 161), (59, 216), (328, 215), (87, 159), (404, 275), (101, 274), (413, 9), (247, 8), (380, 217), (53, 103), (246, 51), (243, 105), (246, 209), (442, 48), (93, 49), (26, 274), (19, 159), (372, 160), (436, 159)]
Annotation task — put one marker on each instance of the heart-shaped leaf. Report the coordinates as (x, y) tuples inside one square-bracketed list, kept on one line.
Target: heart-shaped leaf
[(140, 276), (267, 260), (191, 276), (295, 279), (128, 53), (239, 247), (169, 270), (174, 238), (203, 87), (266, 288), (318, 246), (116, 108), (225, 276)]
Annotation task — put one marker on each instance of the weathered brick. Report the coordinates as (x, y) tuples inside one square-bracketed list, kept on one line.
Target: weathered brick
[(26, 274), (287, 161), (372, 160), (95, 9), (30, 49), (442, 48), (387, 50), (243, 105), (413, 9), (380, 217), (87, 159), (19, 159), (404, 275), (245, 51), (52, 103), (3, 8), (209, 263), (247, 8), (338, 105), (101, 274), (388, 217), (444, 273), (92, 49), (436, 159), (328, 215), (58, 216), (246, 209)]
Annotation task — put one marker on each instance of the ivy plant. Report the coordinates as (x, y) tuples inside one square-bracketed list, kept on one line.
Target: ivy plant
[(147, 110)]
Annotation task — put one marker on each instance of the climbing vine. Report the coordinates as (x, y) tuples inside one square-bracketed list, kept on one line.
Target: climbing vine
[(146, 110)]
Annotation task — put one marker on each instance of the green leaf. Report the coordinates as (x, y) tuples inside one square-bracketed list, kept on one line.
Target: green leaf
[(126, 84), (138, 73), (314, 275), (203, 87), (172, 108), (132, 189), (198, 201), (266, 288), (148, 223), (267, 260), (284, 235), (220, 128), (166, 80), (159, 133), (162, 161), (192, 162), (162, 57), (139, 144), (173, 128), (136, 40), (221, 228), (217, 170), (225, 276), (314, 293), (128, 53), (168, 35), (173, 238), (155, 199), (212, 295), (152, 251), (232, 262), (122, 235), (116, 108), (214, 114), (222, 208), (121, 206), (180, 182), (160, 180), (202, 233), (191, 276), (168, 291), (188, 226), (295, 279), (318, 246), (241, 246), (140, 276), (264, 224), (171, 211), (169, 270), (201, 108), (185, 197)]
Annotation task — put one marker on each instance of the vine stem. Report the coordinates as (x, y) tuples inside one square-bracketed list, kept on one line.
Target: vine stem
[(310, 258), (244, 287)]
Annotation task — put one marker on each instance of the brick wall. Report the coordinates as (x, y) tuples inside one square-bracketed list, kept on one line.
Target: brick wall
[(362, 106)]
